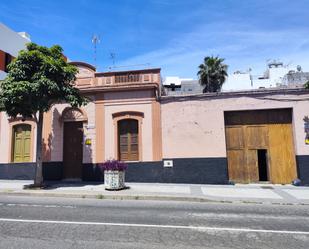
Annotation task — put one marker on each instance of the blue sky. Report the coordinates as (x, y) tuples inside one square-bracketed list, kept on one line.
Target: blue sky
[(172, 34)]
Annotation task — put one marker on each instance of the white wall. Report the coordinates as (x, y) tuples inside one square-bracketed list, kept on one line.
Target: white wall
[(237, 81), (10, 42), (242, 81)]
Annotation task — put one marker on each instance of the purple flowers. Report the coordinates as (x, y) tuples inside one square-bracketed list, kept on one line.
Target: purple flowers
[(113, 165)]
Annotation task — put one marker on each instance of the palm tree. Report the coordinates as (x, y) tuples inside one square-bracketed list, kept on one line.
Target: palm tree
[(212, 74)]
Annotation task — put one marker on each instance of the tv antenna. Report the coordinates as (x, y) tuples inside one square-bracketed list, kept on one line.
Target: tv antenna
[(133, 65), (95, 40), (113, 57)]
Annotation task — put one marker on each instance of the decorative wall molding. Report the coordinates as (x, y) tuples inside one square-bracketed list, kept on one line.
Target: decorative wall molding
[(118, 116), (128, 114), (71, 114)]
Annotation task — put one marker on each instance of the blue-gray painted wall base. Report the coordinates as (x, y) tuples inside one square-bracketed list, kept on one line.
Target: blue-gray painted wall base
[(17, 171), (184, 170), (303, 169), (26, 171), (91, 172), (53, 171)]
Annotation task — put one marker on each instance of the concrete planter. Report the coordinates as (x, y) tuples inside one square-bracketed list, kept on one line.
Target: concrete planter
[(114, 179)]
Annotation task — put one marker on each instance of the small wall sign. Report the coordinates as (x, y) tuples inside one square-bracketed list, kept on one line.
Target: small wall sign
[(88, 141), (90, 126), (168, 163)]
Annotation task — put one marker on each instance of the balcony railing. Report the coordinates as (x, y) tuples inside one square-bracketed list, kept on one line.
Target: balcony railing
[(86, 80), (128, 78)]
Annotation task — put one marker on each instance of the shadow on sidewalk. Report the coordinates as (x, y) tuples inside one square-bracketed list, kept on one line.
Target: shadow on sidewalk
[(61, 184)]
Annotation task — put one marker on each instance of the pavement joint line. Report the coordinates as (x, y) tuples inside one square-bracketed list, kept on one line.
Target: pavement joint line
[(198, 228), (34, 205), (285, 195), (196, 190)]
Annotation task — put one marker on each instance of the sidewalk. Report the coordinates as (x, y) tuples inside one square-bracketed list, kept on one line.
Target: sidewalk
[(239, 193)]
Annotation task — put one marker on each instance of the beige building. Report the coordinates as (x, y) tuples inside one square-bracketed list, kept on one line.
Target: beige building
[(245, 137)]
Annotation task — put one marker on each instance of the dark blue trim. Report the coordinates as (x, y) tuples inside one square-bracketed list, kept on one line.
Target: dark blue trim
[(184, 170), (303, 169), (17, 171), (26, 171), (52, 171), (91, 172)]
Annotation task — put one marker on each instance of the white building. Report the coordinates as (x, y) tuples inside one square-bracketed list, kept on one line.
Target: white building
[(174, 85), (276, 75), (272, 77), (11, 43)]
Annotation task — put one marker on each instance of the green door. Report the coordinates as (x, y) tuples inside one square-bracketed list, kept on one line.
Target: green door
[(21, 143)]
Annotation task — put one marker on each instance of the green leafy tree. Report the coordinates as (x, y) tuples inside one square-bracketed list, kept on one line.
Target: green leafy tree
[(212, 74), (37, 79)]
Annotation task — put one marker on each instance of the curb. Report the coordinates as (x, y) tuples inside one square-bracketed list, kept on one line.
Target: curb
[(141, 197), (109, 196)]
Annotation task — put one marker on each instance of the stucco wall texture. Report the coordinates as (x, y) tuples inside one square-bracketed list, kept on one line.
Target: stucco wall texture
[(57, 133), (113, 103), (6, 127), (194, 127), (139, 101)]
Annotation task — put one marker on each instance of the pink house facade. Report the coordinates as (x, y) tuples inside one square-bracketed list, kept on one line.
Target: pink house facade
[(173, 139)]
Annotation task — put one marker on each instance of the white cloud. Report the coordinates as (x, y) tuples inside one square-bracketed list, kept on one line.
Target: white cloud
[(242, 47)]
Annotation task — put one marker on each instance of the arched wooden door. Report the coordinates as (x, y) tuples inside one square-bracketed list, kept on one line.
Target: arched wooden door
[(73, 135), (21, 144), (128, 140), (73, 150)]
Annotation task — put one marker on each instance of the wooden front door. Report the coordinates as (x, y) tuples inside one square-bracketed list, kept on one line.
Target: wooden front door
[(128, 140), (73, 150), (21, 150)]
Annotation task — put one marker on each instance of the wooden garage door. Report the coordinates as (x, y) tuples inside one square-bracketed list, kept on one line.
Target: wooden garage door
[(282, 157), (250, 132), (235, 153), (242, 143)]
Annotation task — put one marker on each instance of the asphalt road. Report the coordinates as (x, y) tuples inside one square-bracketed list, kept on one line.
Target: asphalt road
[(32, 222)]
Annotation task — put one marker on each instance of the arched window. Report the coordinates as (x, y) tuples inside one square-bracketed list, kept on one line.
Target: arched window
[(128, 140), (21, 144), (72, 114)]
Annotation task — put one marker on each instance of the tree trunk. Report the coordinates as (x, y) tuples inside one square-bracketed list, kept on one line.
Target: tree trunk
[(38, 181)]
